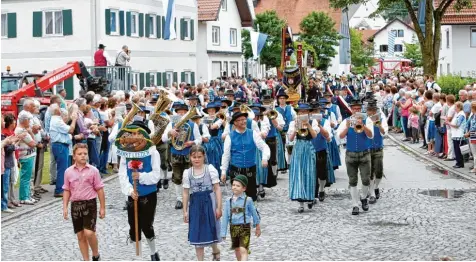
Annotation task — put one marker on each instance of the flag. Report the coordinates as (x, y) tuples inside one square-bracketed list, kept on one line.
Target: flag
[(169, 14), (391, 42), (258, 40)]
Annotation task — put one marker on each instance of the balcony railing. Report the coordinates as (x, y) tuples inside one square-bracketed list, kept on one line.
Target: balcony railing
[(119, 77)]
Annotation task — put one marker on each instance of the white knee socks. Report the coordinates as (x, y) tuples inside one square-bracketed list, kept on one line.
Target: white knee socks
[(275, 170), (355, 196), (372, 188), (365, 191), (322, 185), (178, 192), (163, 174), (151, 243), (377, 182), (261, 188)]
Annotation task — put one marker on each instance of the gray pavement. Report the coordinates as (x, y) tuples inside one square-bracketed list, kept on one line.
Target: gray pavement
[(415, 219)]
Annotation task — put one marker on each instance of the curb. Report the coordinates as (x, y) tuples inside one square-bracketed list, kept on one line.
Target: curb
[(45, 204), (433, 161)]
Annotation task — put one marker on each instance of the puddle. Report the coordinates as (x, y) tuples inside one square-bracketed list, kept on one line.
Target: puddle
[(438, 170), (445, 193)]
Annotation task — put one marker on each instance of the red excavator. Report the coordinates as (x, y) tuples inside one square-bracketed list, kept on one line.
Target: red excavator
[(12, 102)]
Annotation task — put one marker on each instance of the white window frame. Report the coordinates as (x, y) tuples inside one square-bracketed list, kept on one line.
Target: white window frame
[(135, 78), (136, 34), (169, 73), (54, 29), (188, 27), (188, 77), (118, 29), (152, 78), (223, 5), (5, 24), (471, 31), (217, 38), (236, 37), (152, 31), (403, 32)]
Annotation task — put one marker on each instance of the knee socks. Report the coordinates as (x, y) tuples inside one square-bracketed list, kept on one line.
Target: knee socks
[(178, 192), (322, 185), (151, 243)]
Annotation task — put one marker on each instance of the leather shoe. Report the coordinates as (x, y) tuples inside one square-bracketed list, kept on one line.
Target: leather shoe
[(365, 204), (159, 184), (355, 211), (372, 200), (377, 193), (456, 166), (58, 195), (155, 257), (322, 196), (179, 205), (165, 184)]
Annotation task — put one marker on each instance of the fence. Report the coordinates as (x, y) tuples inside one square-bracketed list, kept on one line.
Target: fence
[(119, 77)]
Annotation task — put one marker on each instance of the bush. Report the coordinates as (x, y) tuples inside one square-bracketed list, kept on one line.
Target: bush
[(451, 84)]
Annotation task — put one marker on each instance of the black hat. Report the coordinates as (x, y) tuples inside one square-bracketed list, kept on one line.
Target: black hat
[(142, 125), (180, 106), (257, 112), (280, 93), (154, 99), (303, 106), (237, 115), (145, 109), (327, 93), (101, 46), (128, 106), (355, 102), (192, 97), (229, 92), (216, 105), (258, 106), (228, 102)]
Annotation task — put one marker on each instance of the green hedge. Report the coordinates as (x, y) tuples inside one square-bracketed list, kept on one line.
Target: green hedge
[(451, 84)]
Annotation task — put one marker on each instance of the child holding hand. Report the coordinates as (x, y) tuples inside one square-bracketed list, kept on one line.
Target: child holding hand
[(239, 209)]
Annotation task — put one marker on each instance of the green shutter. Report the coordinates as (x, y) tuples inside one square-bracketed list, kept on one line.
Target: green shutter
[(12, 25), (159, 79), (164, 79), (182, 77), (69, 87), (147, 79), (192, 29), (175, 25), (37, 24), (121, 23), (163, 26), (182, 29), (147, 29), (175, 77), (107, 20), (159, 26), (141, 80), (192, 76), (128, 24), (141, 25), (67, 22)]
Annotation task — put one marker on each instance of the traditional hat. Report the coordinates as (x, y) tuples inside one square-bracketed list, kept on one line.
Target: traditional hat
[(355, 102), (237, 115), (303, 107), (280, 93), (327, 93), (258, 106), (216, 105), (192, 97), (228, 102), (196, 116), (257, 112), (179, 106), (242, 179), (154, 99), (229, 92), (144, 109)]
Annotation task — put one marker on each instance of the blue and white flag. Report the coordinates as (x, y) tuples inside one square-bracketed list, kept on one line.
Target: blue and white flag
[(258, 40), (169, 10), (391, 42)]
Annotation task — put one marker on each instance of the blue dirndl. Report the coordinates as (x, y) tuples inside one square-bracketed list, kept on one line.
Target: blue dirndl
[(280, 154), (331, 179), (261, 172), (334, 153), (431, 131), (214, 150), (302, 172)]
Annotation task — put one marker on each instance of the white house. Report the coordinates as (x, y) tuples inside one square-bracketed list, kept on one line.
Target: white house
[(402, 33), (458, 43), (359, 16), (219, 37), (45, 35)]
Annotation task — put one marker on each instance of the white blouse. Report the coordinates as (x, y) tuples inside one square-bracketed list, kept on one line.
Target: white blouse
[(211, 169)]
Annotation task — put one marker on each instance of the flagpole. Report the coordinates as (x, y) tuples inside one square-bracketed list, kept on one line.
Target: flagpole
[(259, 60)]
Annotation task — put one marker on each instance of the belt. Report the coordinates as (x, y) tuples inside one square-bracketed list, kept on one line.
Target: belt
[(243, 170), (361, 152), (375, 150)]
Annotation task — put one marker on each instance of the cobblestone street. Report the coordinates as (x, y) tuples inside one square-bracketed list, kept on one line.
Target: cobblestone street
[(411, 221)]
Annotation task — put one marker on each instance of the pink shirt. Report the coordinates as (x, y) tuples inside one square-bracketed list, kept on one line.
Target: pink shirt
[(82, 183), (414, 120)]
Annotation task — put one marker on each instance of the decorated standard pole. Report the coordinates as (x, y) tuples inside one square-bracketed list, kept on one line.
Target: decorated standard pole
[(136, 165)]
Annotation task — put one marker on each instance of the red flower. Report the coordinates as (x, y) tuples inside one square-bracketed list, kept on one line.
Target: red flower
[(135, 164)]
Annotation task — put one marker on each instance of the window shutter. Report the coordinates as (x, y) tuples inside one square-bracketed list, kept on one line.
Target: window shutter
[(69, 87), (182, 29), (175, 77), (147, 79), (121, 23), (141, 80), (159, 26), (192, 76), (37, 24), (159, 79), (147, 29), (141, 25), (164, 79), (12, 25), (108, 21), (163, 25), (128, 23), (182, 77), (192, 29), (175, 25), (67, 22)]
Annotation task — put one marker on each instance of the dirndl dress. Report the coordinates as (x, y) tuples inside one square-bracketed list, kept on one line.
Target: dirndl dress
[(282, 165), (214, 150), (203, 227), (331, 179), (302, 171), (261, 172), (334, 153)]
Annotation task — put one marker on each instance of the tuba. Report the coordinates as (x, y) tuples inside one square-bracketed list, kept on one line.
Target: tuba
[(130, 116), (160, 122), (184, 130)]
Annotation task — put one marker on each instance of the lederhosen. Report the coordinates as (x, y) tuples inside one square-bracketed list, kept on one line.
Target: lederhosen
[(84, 215), (180, 160), (240, 233), (320, 145), (376, 155), (271, 142), (163, 149), (357, 157)]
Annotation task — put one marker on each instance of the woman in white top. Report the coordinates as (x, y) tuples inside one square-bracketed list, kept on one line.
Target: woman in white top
[(458, 124)]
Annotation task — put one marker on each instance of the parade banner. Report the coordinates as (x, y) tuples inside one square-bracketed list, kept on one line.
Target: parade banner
[(292, 79)]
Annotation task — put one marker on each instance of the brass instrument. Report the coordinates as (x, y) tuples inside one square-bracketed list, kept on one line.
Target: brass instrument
[(160, 122), (245, 109), (168, 112), (359, 128), (301, 130), (221, 115), (317, 117), (184, 130), (376, 119), (207, 120), (130, 116)]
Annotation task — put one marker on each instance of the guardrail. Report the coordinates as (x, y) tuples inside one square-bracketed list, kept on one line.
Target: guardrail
[(119, 77)]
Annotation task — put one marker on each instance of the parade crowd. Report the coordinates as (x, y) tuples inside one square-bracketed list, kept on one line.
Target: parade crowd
[(241, 130)]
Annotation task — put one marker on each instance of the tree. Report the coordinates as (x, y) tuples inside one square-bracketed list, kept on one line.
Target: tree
[(430, 39), (361, 54), (269, 23), (317, 29), (413, 52)]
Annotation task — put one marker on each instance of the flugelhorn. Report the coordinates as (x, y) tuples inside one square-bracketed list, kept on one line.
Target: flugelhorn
[(301, 130), (359, 128)]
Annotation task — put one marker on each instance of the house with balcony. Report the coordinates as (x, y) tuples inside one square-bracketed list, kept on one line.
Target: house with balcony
[(395, 33), (37, 38), (458, 42), (219, 50)]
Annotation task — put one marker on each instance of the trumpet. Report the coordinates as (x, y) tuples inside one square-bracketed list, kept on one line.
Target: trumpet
[(376, 119), (221, 115), (245, 109), (272, 114), (301, 130), (359, 128)]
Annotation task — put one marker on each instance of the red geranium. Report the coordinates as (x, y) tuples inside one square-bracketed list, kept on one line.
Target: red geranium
[(135, 164)]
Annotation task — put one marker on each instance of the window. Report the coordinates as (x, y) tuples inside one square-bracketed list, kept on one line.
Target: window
[(383, 48), (114, 22), (188, 77), (53, 22), (473, 36), (216, 35), (134, 24), (4, 25), (233, 36), (447, 38), (151, 25), (135, 78), (398, 48), (225, 69), (400, 33), (448, 68), (441, 69), (187, 26), (170, 78), (152, 78), (223, 5)]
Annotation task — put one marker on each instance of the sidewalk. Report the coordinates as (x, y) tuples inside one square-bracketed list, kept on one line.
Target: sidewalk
[(447, 165)]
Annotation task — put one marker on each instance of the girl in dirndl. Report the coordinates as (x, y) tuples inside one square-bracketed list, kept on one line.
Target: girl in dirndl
[(302, 169), (201, 186), (214, 146)]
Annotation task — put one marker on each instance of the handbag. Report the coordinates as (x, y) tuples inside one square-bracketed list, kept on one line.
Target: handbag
[(465, 149)]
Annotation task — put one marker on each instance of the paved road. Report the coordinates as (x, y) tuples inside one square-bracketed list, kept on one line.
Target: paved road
[(404, 225)]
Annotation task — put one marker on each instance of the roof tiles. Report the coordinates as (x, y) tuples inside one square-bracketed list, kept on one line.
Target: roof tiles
[(208, 9)]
